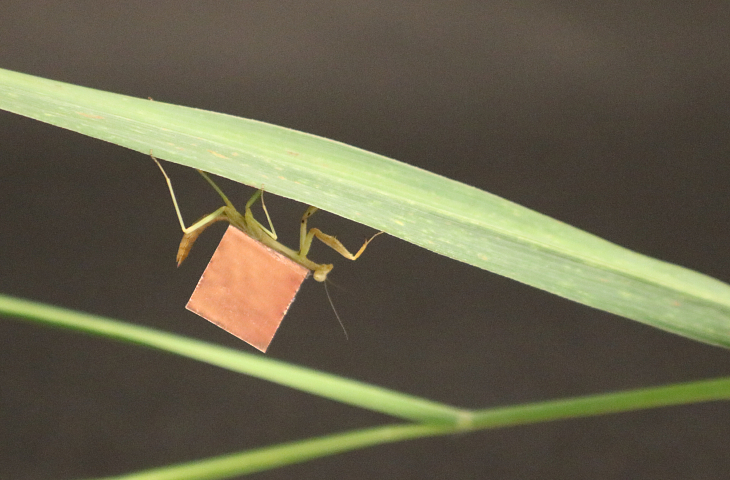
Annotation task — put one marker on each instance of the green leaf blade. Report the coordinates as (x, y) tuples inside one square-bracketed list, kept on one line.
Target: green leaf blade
[(325, 385), (436, 213)]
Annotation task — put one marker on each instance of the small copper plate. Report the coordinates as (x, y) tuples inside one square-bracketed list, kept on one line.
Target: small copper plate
[(247, 288)]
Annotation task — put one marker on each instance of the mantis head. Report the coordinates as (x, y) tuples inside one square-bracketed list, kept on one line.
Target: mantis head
[(320, 273)]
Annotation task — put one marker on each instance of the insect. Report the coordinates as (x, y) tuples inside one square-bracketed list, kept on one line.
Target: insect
[(251, 227)]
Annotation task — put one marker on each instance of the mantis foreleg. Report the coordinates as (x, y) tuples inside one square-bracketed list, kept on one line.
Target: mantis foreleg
[(306, 237)]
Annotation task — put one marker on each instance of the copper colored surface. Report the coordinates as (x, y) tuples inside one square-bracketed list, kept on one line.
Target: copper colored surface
[(247, 288)]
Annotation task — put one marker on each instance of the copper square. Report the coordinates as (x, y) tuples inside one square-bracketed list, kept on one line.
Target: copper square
[(247, 288)]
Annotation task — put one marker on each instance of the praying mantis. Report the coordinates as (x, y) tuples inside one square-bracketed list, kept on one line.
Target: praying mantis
[(251, 227)]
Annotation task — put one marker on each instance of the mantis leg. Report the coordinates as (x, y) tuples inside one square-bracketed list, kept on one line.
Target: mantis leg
[(306, 237), (172, 194), (249, 214), (216, 188), (191, 233), (251, 201)]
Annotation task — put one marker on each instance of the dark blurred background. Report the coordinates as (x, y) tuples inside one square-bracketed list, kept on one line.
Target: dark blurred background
[(613, 117)]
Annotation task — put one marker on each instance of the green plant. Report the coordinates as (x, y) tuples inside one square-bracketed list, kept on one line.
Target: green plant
[(462, 222)]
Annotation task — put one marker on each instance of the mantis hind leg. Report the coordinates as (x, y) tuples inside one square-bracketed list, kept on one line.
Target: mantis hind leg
[(191, 233), (206, 220)]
